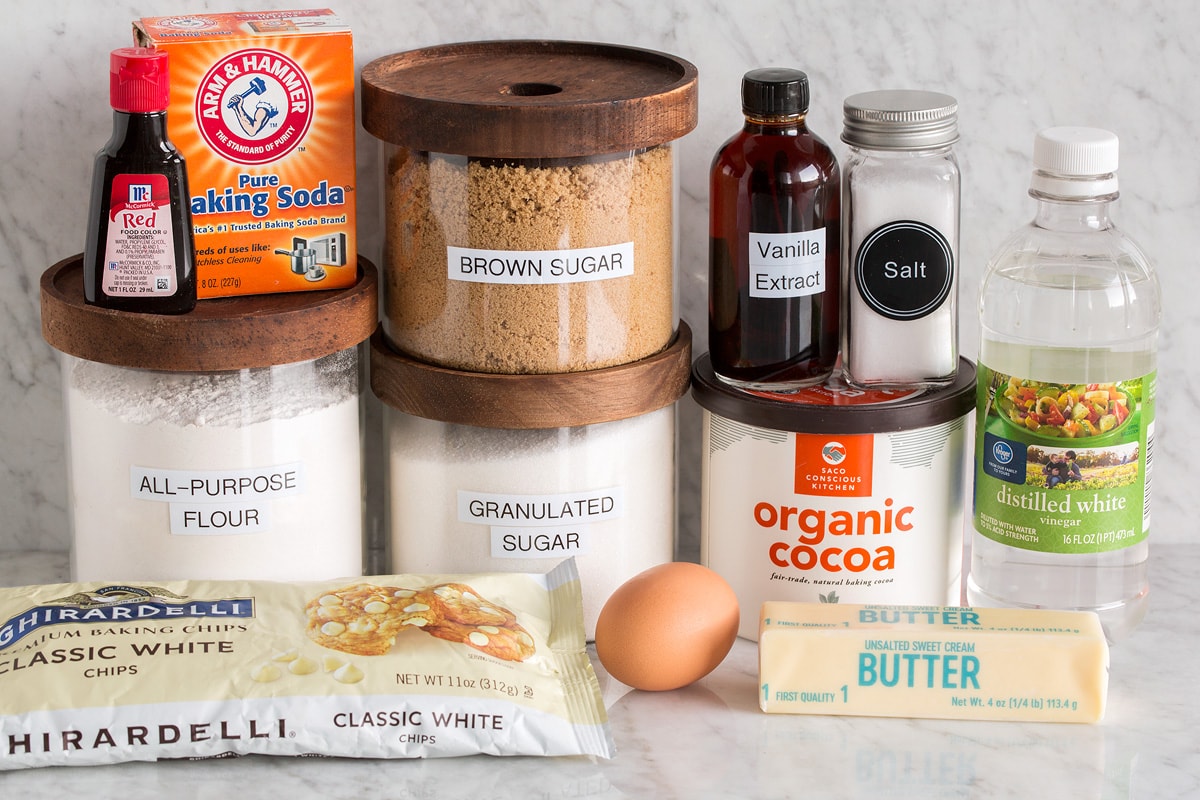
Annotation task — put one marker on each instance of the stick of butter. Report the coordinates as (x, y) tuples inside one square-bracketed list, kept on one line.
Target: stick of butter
[(932, 661)]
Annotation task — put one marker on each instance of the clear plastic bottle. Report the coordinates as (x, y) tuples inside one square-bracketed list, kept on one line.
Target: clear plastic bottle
[(1070, 310)]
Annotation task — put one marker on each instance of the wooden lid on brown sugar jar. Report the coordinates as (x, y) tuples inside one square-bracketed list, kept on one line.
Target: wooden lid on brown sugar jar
[(532, 401), (227, 333), (529, 98)]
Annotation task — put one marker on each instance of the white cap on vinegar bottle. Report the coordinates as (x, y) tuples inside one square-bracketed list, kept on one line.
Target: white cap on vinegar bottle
[(1072, 163)]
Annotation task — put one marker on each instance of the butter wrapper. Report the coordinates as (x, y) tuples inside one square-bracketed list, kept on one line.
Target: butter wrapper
[(395, 666), (949, 662)]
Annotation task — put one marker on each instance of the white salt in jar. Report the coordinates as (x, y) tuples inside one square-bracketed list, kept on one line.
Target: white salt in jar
[(221, 444), (495, 472), (900, 214)]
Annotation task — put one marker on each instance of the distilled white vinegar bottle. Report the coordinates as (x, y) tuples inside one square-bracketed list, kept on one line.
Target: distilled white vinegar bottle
[(1070, 310)]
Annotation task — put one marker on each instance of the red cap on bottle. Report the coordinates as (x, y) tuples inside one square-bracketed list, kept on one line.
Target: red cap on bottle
[(139, 82)]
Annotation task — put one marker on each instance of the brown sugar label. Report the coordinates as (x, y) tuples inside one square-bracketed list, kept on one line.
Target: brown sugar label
[(538, 267)]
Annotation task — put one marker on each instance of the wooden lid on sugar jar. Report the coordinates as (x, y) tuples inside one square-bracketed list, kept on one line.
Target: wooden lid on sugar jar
[(532, 401), (227, 333), (529, 98)]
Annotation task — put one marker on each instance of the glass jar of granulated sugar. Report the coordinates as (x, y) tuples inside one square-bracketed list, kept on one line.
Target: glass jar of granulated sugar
[(495, 472), (220, 444), (530, 201)]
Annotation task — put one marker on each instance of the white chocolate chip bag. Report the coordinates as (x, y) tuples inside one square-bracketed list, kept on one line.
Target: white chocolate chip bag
[(398, 666)]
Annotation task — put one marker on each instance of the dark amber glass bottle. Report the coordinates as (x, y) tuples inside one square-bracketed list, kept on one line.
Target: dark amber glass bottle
[(774, 244), (140, 252)]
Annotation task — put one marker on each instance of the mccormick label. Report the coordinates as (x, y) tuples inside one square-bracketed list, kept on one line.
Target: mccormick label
[(139, 256), (262, 108), (834, 517)]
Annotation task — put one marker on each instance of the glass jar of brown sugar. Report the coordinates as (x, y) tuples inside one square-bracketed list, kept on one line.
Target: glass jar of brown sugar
[(530, 202)]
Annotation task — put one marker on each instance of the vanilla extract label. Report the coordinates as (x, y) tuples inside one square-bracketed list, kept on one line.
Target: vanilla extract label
[(787, 264)]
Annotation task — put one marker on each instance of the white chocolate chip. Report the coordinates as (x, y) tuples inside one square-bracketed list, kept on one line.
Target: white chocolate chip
[(376, 607), (331, 663), (478, 639), (470, 598), (265, 673), (489, 629), (403, 594), (333, 629), (416, 622), (361, 626), (525, 638), (286, 655), (491, 611), (415, 607), (348, 673), (330, 600), (303, 665)]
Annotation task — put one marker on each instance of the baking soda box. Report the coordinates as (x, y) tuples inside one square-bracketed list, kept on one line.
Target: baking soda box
[(262, 109)]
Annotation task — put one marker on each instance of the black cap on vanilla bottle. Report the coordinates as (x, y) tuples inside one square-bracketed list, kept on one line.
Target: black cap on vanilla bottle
[(774, 92)]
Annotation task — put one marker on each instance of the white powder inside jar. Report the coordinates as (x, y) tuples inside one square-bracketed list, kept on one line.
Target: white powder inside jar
[(879, 350), (137, 439), (437, 469)]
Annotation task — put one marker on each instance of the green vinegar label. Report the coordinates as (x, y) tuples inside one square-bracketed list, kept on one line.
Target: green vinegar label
[(1063, 467)]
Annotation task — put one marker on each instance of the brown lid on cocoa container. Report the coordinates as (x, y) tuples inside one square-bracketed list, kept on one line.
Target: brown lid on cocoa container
[(228, 333), (527, 402), (529, 98)]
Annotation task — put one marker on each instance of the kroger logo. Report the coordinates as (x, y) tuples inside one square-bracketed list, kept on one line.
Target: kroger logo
[(1002, 452)]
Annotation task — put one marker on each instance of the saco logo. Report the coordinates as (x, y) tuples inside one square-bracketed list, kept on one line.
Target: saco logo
[(834, 453), (254, 106), (834, 467), (118, 604)]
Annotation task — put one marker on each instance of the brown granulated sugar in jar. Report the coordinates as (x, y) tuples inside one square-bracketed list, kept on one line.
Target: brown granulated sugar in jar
[(529, 202)]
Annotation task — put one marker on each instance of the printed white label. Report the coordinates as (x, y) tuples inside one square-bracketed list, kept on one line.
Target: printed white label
[(540, 542), (219, 519), (541, 510), (217, 502), (539, 267), (787, 264)]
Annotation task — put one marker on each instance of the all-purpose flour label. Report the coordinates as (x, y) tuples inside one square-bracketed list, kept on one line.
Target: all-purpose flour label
[(217, 501)]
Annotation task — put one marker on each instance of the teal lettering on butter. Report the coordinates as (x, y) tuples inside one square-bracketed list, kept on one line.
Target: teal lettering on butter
[(907, 670)]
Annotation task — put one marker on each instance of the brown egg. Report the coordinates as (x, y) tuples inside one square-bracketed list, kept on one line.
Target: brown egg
[(667, 627)]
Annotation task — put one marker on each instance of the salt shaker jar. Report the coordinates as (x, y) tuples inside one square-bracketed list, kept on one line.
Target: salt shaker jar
[(900, 218), (529, 202), (222, 444)]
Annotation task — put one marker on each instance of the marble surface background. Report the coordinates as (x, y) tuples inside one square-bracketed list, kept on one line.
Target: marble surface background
[(1015, 66)]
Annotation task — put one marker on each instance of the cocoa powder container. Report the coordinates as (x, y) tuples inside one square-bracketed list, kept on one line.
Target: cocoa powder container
[(530, 201)]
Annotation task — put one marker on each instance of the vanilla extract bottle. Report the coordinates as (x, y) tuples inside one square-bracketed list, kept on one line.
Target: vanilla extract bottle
[(774, 243)]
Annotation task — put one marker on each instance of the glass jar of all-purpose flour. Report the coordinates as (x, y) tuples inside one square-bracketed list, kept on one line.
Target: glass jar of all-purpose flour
[(516, 472), (221, 444), (530, 202)]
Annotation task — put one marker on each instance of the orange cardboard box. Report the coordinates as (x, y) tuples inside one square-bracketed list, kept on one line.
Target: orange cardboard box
[(262, 109)]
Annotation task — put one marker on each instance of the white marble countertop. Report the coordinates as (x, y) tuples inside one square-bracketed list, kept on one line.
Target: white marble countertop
[(710, 739)]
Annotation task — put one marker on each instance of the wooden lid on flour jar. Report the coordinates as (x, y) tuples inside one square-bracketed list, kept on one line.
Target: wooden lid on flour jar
[(530, 201), (230, 333)]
